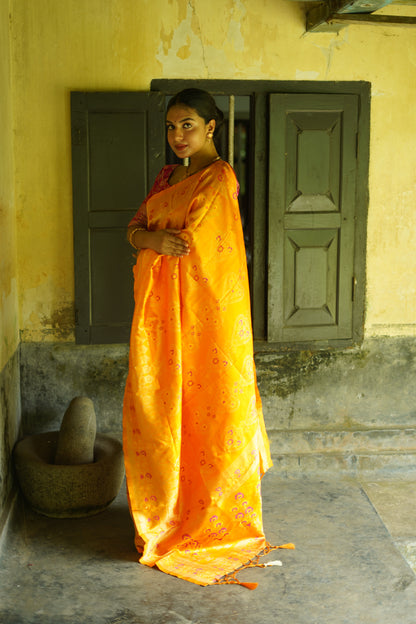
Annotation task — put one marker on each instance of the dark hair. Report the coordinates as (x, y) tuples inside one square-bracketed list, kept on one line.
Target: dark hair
[(203, 103)]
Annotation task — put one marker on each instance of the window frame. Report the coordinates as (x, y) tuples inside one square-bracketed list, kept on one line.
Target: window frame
[(259, 91)]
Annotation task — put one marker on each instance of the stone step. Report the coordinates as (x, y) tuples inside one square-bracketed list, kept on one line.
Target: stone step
[(369, 466), (300, 441), (368, 453)]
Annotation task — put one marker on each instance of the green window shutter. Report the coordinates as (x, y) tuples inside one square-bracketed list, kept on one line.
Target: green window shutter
[(312, 178), (118, 148)]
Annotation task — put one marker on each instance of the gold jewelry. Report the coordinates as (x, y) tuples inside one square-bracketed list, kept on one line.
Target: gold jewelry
[(189, 173), (132, 233)]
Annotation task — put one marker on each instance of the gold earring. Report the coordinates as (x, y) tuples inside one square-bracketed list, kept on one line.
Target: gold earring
[(209, 135)]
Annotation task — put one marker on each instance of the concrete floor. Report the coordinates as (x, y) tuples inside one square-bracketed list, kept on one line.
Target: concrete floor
[(349, 566)]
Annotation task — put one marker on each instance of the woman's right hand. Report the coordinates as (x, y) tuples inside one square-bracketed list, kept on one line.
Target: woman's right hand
[(168, 243)]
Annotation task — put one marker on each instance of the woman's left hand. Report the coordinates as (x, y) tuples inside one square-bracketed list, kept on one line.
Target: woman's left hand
[(169, 243)]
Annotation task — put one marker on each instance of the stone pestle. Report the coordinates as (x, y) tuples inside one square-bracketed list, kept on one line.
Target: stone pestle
[(77, 434)]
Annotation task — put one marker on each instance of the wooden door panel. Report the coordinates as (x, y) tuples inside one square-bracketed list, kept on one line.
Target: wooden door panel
[(117, 150), (310, 277), (312, 164), (110, 295), (117, 159), (313, 161)]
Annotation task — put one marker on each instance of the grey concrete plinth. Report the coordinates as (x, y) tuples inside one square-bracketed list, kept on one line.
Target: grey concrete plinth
[(64, 491), (9, 431), (53, 373), (346, 412)]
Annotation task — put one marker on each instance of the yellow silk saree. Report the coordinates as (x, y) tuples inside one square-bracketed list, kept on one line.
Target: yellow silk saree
[(194, 438)]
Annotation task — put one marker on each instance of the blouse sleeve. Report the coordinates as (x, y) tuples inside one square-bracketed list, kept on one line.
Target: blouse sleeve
[(160, 183), (140, 218)]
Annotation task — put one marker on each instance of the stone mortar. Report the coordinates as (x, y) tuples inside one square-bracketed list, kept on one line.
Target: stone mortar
[(64, 491)]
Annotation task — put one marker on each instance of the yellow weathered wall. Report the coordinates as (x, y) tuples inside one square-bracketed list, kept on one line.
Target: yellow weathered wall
[(124, 44), (9, 309), (9, 325)]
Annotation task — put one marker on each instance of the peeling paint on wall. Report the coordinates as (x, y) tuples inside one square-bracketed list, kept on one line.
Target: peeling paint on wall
[(51, 325), (306, 75), (332, 47), (172, 49)]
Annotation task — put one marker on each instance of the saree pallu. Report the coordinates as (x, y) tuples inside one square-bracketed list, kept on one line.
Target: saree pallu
[(193, 431)]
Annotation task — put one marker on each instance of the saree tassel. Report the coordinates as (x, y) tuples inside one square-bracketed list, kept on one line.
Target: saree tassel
[(249, 585), (231, 579), (289, 546)]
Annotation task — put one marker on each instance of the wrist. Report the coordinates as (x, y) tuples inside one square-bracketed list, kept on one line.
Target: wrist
[(131, 235)]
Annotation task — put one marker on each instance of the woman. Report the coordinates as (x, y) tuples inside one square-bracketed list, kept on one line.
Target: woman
[(194, 437)]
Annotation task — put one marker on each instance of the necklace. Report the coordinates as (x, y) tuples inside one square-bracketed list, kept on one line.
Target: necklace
[(189, 173)]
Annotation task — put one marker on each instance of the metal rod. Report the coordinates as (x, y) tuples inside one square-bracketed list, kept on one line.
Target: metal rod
[(362, 18), (231, 115)]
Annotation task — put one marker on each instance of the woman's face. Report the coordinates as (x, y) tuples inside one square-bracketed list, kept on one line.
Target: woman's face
[(187, 131)]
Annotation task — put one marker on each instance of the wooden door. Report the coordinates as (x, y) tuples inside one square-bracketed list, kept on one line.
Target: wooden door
[(311, 212), (118, 147)]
